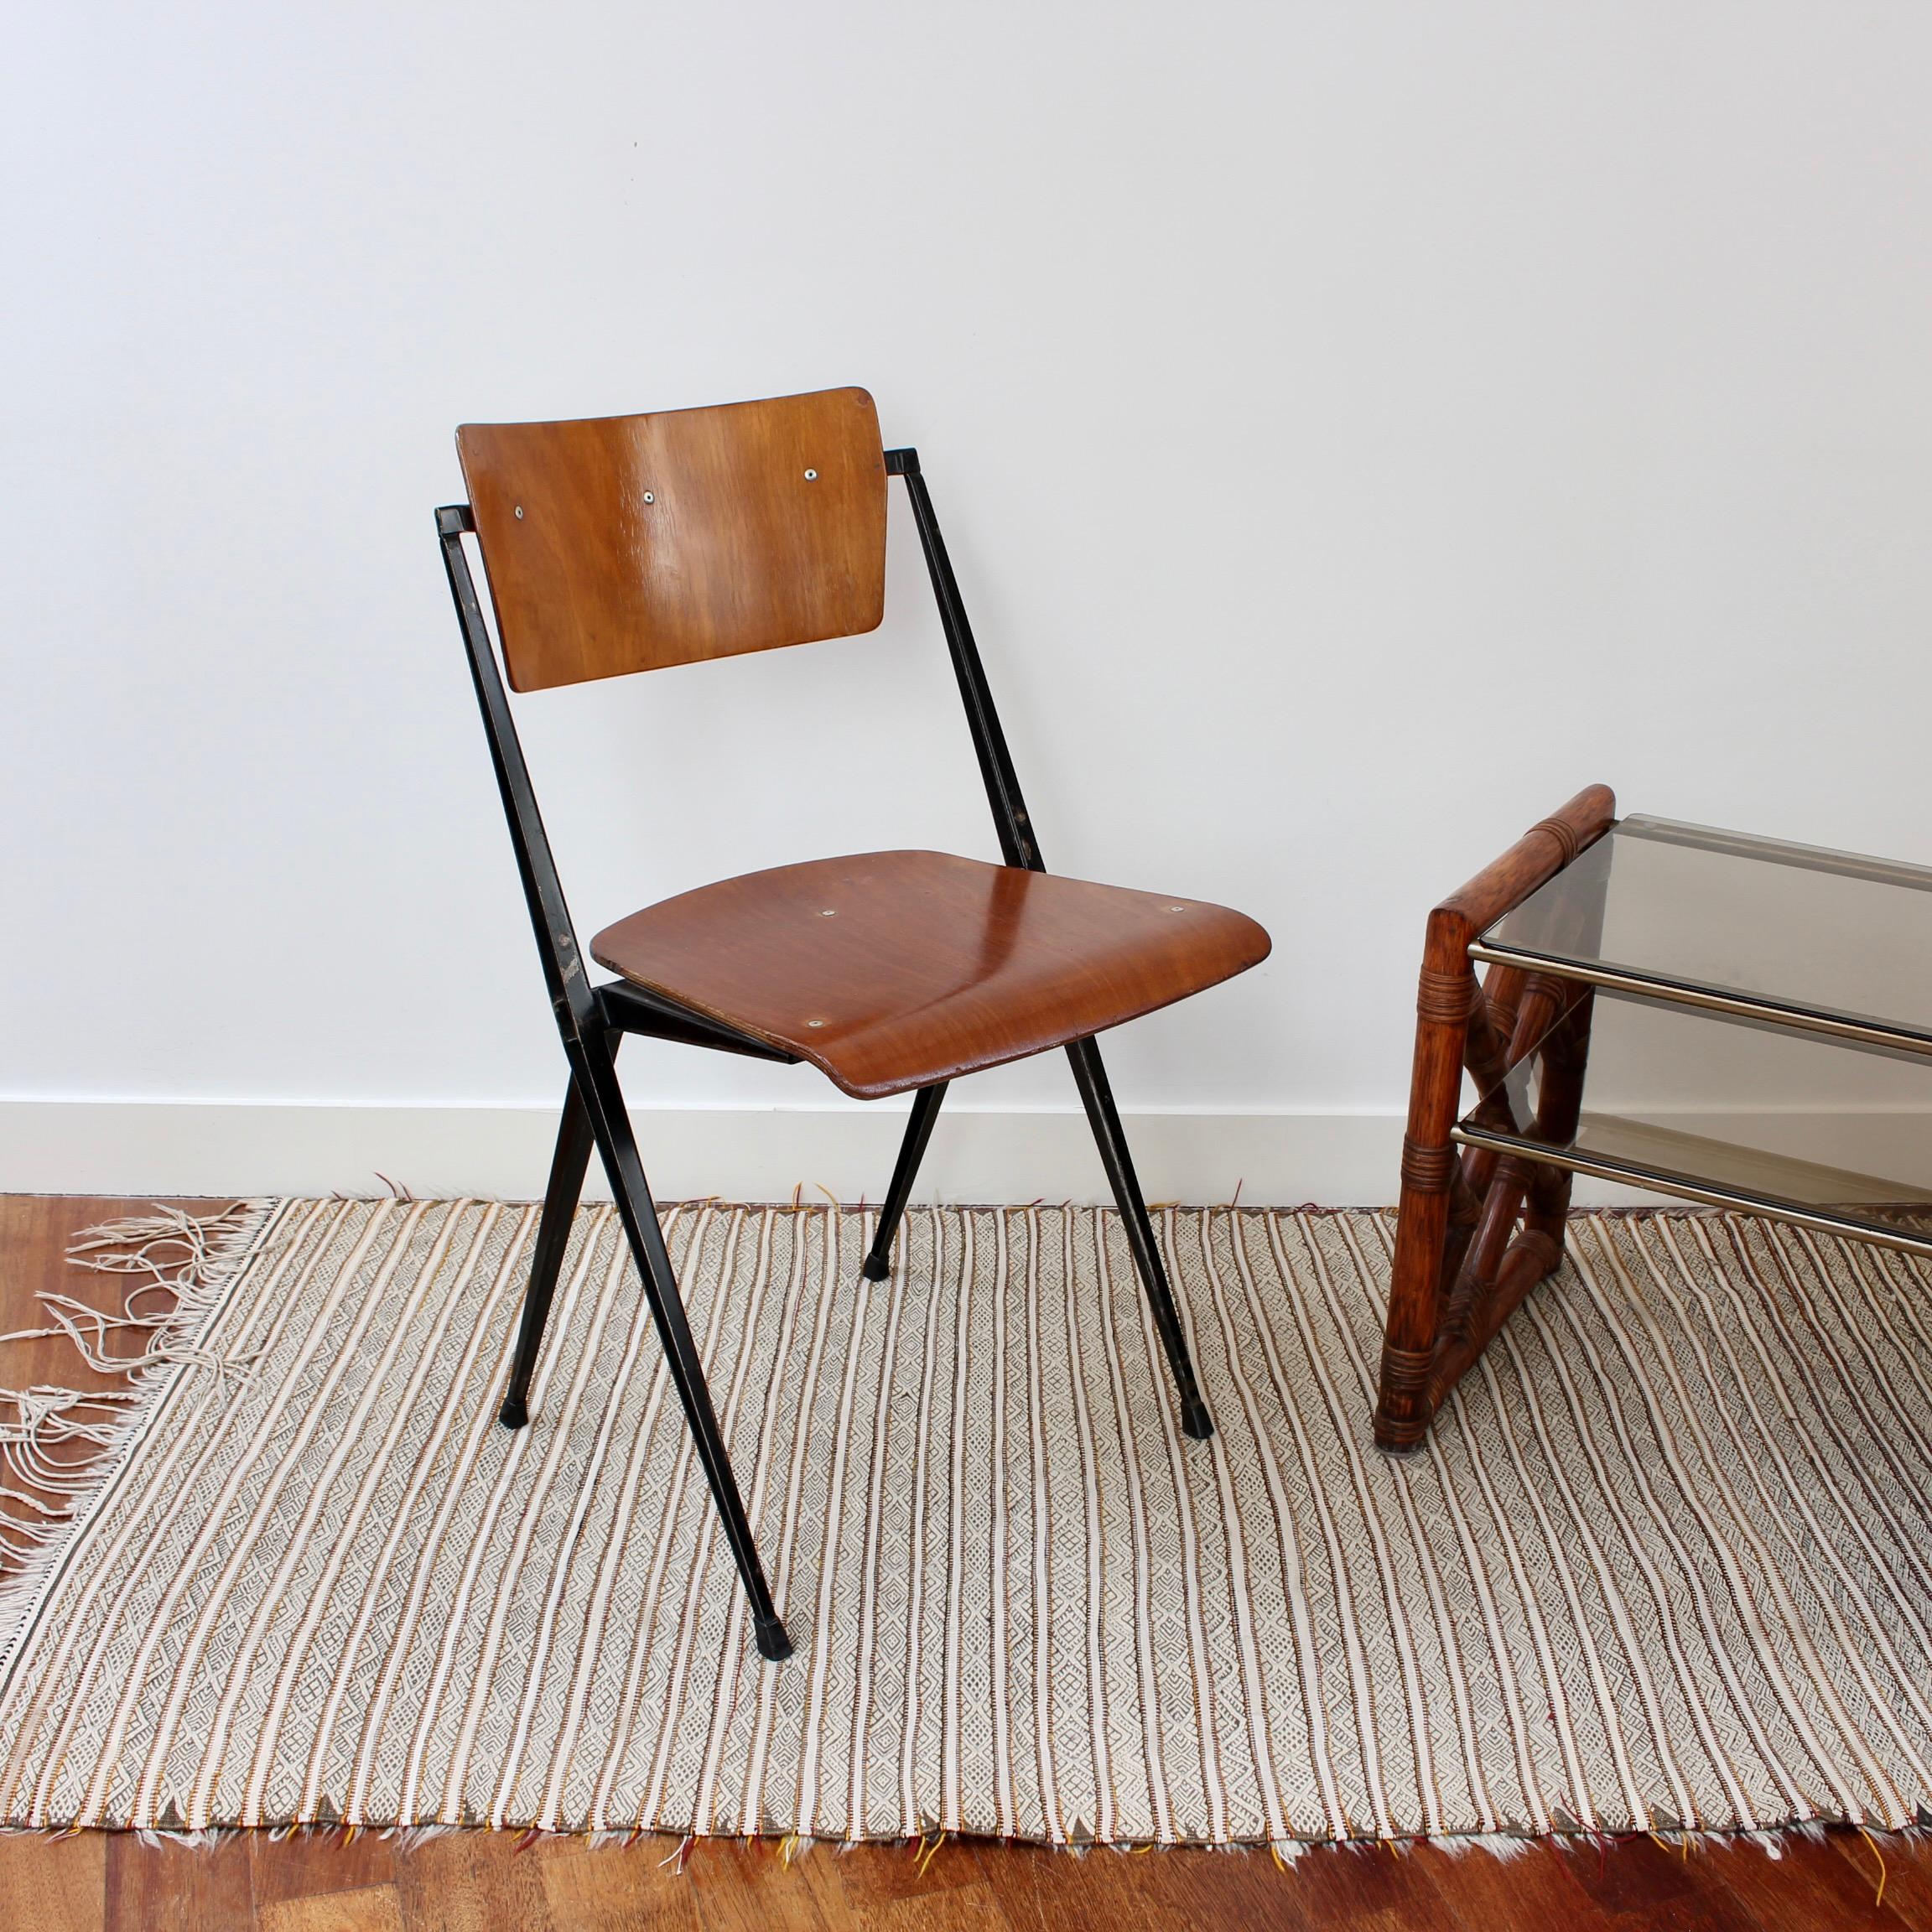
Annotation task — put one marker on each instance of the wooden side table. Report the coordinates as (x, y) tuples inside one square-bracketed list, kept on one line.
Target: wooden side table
[(1713, 949)]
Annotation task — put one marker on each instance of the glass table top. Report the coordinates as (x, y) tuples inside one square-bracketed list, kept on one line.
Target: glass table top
[(1828, 940), (1831, 1132)]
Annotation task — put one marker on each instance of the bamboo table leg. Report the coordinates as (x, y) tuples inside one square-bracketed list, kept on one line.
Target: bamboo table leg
[(1462, 1262)]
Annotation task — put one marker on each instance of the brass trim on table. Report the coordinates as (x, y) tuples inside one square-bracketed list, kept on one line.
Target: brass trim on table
[(1671, 993), (1711, 1195)]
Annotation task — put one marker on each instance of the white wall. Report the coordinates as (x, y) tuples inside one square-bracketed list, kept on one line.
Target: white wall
[(1356, 427)]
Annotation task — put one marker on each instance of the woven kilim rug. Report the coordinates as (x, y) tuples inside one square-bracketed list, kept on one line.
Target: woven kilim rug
[(1666, 1563)]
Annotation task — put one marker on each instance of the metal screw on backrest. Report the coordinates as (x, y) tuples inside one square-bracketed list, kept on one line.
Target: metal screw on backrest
[(810, 475), (519, 512), (650, 496)]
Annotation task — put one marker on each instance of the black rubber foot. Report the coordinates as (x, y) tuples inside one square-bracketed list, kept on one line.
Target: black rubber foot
[(773, 1646), (513, 1415), (875, 1270), (1196, 1422), (1401, 1451)]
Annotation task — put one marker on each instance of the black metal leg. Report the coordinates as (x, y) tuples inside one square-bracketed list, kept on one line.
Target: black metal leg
[(911, 1151), (560, 1198), (1098, 1097), (611, 1126)]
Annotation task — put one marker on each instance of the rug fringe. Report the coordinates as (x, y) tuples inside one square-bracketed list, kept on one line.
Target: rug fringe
[(414, 1837), (42, 1419), (190, 1257), (193, 1258)]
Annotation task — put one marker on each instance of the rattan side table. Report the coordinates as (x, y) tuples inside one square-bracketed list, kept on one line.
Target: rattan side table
[(1611, 943)]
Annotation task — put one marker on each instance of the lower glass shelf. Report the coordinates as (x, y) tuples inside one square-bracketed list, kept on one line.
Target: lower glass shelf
[(1829, 1134)]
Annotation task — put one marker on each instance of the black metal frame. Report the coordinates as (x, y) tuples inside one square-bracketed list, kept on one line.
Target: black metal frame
[(592, 1019)]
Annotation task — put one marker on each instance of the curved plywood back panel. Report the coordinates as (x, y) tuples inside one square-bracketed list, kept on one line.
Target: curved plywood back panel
[(631, 543)]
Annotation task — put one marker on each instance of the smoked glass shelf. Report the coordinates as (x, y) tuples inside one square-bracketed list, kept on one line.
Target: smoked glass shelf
[(1825, 940), (1834, 1134), (1762, 1030)]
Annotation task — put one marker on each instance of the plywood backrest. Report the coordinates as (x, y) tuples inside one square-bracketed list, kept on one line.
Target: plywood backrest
[(631, 543)]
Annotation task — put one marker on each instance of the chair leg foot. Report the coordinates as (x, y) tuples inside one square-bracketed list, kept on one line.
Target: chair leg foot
[(1104, 1118), (638, 1212), (560, 1199), (905, 1171)]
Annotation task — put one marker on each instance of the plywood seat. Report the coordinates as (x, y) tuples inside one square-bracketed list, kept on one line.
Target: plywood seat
[(893, 970)]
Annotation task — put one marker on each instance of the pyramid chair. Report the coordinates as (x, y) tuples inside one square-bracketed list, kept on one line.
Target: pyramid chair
[(635, 543)]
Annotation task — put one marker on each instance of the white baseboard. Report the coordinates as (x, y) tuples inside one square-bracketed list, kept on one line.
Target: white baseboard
[(246, 1147), (185, 1147)]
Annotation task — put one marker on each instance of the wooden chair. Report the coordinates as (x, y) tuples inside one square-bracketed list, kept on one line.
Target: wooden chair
[(634, 542)]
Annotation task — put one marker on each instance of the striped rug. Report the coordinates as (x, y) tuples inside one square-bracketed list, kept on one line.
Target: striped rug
[(1666, 1563)]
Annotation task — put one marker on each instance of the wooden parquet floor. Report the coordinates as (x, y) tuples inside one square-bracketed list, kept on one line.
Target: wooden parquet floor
[(108, 1881)]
